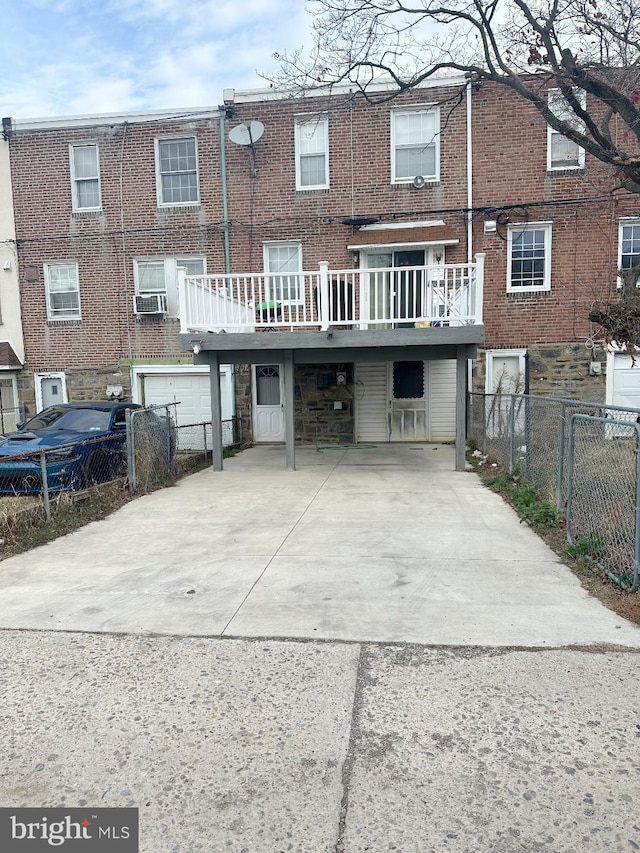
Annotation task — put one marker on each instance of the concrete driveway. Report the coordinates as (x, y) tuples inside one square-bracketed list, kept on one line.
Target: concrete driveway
[(242, 738), (387, 544)]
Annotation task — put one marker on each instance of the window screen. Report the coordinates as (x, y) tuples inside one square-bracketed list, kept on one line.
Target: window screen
[(408, 380)]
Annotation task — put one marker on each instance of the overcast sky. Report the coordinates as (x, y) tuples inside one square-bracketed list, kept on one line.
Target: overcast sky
[(70, 57)]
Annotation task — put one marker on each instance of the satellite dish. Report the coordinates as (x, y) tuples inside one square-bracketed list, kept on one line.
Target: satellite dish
[(246, 133), (419, 182)]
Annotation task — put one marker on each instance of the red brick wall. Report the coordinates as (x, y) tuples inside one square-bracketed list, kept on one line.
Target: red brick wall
[(269, 207), (48, 231), (509, 169)]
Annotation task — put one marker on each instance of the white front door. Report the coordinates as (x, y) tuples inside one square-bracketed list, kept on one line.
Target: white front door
[(9, 409), (408, 401), (51, 389), (268, 408), (505, 375)]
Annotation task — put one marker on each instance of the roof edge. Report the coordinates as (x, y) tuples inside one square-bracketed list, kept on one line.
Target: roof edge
[(102, 119), (239, 96)]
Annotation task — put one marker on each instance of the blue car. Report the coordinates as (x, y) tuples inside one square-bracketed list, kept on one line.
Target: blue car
[(85, 443)]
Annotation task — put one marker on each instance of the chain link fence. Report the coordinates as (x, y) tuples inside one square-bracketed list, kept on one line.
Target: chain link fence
[(151, 446), (602, 504), (65, 468), (159, 448), (582, 456), (146, 450)]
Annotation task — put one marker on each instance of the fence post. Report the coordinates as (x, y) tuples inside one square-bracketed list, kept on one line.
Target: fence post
[(636, 545), (559, 489), (131, 450), (569, 483), (484, 423), (167, 417), (512, 432), (204, 435), (45, 485)]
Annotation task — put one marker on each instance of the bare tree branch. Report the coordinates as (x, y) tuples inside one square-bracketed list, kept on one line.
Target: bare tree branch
[(581, 47)]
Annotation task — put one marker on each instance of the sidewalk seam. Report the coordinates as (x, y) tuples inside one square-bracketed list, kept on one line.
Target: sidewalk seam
[(350, 757)]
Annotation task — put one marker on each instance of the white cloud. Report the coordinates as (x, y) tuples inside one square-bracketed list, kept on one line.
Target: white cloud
[(72, 57)]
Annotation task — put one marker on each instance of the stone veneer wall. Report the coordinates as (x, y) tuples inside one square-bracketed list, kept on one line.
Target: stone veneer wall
[(315, 416), (557, 370), (242, 375), (86, 385)]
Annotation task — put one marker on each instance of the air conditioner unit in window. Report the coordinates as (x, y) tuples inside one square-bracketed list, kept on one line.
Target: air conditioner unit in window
[(152, 303)]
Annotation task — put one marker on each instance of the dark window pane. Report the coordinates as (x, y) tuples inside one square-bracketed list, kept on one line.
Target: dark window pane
[(408, 380)]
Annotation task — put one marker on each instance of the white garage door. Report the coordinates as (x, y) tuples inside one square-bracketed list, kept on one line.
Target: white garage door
[(191, 391), (624, 390)]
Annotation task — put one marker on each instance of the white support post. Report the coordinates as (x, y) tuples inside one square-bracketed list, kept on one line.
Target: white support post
[(323, 300), (479, 285), (182, 300)]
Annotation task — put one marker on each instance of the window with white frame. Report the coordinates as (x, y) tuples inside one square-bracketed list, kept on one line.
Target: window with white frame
[(312, 153), (63, 290), (629, 247), (85, 177), (415, 145), (177, 171), (282, 261), (159, 276), (529, 257), (563, 153)]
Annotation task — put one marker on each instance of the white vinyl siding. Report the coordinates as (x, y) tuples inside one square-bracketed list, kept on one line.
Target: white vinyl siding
[(529, 257), (160, 275), (562, 153), (85, 177), (442, 400), (415, 145), (177, 171), (372, 403), (63, 290), (312, 153)]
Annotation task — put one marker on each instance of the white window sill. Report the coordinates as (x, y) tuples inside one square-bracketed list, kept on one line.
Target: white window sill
[(528, 290), (428, 182), (184, 205), (93, 211)]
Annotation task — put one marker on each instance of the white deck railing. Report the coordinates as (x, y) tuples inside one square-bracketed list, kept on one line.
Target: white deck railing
[(443, 295)]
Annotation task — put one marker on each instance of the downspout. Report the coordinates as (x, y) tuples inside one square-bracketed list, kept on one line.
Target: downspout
[(464, 382), (469, 178), (225, 205), (225, 231)]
